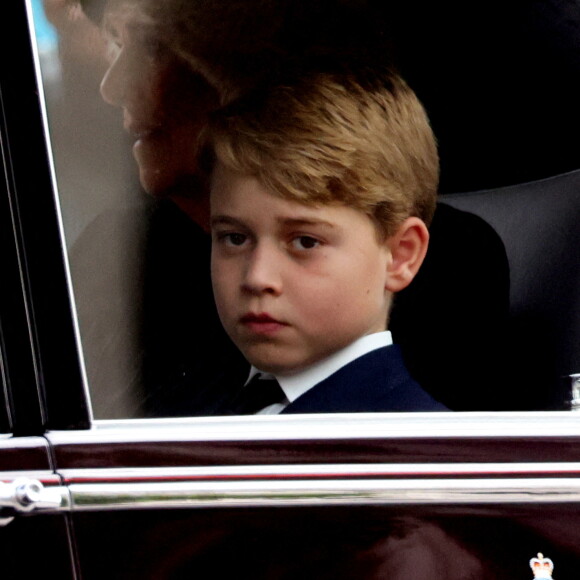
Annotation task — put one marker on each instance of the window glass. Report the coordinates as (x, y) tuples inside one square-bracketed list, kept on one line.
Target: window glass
[(129, 86), (102, 208)]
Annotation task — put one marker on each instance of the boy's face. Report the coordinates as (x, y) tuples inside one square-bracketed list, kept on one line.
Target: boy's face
[(293, 283)]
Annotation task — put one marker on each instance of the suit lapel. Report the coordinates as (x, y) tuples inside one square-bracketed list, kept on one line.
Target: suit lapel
[(375, 382)]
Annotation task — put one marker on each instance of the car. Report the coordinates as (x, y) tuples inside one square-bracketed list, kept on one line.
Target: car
[(93, 484)]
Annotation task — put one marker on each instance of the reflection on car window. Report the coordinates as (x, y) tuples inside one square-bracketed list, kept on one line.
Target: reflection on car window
[(135, 91)]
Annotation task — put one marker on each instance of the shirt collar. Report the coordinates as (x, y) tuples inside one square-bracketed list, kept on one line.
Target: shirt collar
[(302, 381)]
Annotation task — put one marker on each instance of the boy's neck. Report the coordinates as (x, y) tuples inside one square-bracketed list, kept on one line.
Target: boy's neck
[(299, 382)]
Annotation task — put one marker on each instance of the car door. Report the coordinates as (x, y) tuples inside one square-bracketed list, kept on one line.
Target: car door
[(35, 532), (457, 495)]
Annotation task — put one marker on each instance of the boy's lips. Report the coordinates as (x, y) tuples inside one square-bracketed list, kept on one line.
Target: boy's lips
[(261, 323)]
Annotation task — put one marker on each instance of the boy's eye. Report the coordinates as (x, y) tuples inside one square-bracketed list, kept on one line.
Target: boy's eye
[(233, 239), (305, 242)]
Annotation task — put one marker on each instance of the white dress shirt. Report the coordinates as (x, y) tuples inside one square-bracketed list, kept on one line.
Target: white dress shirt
[(298, 383)]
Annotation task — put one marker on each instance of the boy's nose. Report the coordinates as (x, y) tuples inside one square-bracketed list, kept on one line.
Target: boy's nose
[(262, 273)]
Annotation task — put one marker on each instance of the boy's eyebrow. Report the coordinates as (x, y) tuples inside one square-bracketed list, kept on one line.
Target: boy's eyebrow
[(225, 219), (305, 221), (286, 221)]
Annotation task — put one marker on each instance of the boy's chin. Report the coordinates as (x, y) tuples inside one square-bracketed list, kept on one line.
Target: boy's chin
[(275, 365), (283, 360), (278, 366)]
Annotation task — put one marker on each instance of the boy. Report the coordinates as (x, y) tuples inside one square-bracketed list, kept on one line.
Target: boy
[(320, 195)]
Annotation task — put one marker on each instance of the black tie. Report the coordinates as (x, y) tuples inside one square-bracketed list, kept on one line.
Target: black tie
[(257, 394)]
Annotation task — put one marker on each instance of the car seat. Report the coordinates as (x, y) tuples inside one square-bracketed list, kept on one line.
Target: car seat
[(539, 223)]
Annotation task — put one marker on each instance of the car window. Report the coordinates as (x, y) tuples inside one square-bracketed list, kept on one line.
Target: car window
[(124, 94)]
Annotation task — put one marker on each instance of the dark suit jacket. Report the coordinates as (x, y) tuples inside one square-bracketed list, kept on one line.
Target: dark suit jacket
[(375, 382)]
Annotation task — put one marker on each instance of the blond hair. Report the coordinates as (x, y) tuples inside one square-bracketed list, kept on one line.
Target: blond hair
[(360, 139)]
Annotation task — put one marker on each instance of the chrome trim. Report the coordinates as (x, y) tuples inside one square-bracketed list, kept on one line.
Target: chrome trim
[(24, 495), (11, 442), (329, 427), (31, 493), (316, 471), (121, 496), (44, 476)]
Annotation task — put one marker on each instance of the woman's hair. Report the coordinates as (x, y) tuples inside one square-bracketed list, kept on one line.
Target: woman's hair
[(356, 138), (238, 45)]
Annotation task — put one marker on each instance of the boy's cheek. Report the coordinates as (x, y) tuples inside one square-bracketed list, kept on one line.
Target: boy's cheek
[(221, 284)]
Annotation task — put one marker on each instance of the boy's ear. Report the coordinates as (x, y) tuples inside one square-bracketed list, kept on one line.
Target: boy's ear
[(408, 246)]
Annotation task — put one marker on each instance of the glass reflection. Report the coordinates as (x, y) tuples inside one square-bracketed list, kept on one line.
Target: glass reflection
[(129, 85)]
